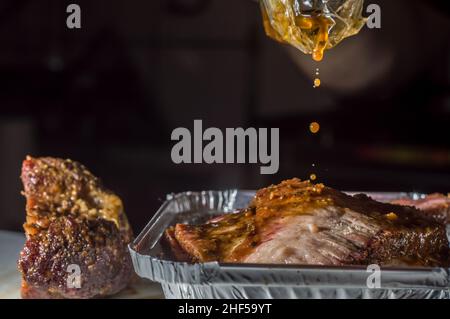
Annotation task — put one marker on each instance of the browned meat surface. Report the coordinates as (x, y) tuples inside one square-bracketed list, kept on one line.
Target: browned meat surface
[(436, 206), (71, 220), (297, 222)]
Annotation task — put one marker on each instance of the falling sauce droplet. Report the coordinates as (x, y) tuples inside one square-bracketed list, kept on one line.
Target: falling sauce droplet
[(318, 55), (317, 82), (313, 177), (314, 127)]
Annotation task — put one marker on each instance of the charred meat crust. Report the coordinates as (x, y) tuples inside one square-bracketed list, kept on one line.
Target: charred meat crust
[(71, 220), (298, 222), (435, 206)]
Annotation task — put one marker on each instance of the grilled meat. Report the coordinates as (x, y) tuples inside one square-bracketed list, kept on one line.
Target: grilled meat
[(436, 206), (298, 222), (71, 220)]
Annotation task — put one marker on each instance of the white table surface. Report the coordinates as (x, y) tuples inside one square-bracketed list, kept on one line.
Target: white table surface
[(10, 245)]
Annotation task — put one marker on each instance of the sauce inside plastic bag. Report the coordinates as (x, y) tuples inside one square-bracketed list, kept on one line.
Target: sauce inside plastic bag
[(312, 26)]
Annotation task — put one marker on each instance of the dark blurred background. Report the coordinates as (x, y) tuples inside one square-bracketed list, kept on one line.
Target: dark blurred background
[(110, 94)]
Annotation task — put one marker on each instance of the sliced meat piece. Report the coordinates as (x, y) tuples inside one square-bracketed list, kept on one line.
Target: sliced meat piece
[(297, 222)]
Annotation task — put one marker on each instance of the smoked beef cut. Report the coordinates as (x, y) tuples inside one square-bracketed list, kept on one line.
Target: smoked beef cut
[(297, 222), (72, 221), (436, 206)]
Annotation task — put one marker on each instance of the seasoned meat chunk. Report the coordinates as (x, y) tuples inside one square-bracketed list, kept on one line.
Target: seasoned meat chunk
[(298, 222), (72, 221)]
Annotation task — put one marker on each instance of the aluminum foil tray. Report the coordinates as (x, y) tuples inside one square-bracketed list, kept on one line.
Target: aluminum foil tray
[(181, 280)]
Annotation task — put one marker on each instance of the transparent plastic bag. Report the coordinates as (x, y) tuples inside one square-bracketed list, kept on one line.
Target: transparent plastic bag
[(312, 26)]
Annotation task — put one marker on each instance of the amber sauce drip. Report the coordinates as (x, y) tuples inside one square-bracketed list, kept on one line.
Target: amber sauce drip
[(317, 82), (310, 32), (314, 28), (318, 25), (314, 127), (321, 42)]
